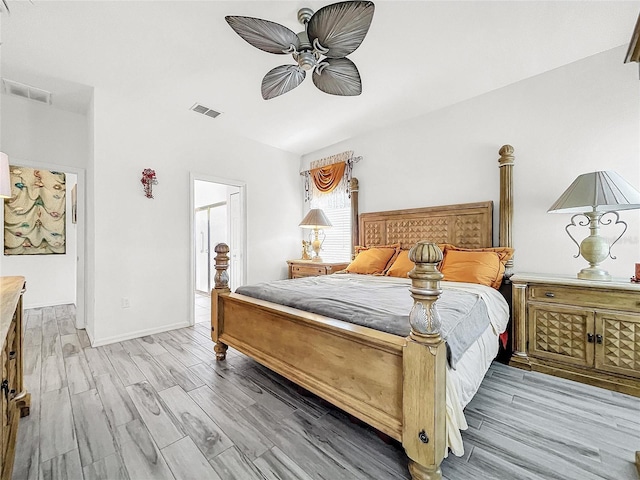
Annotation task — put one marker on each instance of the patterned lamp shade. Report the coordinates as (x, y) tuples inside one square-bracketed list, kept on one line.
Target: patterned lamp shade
[(5, 177)]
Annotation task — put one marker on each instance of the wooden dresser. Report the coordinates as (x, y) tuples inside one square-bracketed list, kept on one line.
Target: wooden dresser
[(309, 268), (588, 331), (13, 397)]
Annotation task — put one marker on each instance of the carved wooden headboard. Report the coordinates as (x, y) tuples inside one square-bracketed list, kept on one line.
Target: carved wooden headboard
[(465, 225)]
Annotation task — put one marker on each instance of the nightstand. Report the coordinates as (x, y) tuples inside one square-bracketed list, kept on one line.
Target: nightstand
[(588, 331), (308, 268)]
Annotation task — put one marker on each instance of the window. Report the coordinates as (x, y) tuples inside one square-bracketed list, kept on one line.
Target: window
[(337, 243), (327, 185)]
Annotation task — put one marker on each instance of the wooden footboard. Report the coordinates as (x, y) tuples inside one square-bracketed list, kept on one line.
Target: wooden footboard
[(395, 384)]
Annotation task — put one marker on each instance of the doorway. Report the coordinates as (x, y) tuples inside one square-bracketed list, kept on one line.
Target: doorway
[(217, 217)]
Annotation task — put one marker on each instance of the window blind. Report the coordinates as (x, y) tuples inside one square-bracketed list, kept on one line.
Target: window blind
[(337, 244)]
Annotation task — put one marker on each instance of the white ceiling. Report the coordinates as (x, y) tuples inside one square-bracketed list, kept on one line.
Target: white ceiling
[(417, 57)]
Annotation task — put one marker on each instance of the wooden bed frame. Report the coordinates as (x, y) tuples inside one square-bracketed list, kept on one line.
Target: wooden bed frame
[(395, 384)]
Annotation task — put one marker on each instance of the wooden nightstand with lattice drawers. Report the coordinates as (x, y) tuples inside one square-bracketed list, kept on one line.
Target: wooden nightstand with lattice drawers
[(588, 331)]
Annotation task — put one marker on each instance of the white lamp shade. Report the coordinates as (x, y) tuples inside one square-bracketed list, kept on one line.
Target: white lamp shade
[(315, 219), (5, 176), (597, 191)]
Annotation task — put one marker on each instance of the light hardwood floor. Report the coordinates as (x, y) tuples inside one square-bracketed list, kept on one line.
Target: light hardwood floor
[(160, 407)]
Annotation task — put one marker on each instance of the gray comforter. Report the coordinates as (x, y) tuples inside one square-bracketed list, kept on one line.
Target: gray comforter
[(381, 303)]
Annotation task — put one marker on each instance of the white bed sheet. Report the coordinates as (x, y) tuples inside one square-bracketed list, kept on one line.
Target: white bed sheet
[(465, 380)]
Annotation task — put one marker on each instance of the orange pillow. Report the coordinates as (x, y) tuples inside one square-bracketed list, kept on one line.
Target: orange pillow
[(401, 266), (371, 260), (484, 268), (504, 253)]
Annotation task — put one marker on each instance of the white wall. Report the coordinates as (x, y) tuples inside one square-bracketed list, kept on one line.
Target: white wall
[(578, 118), (36, 134), (142, 245)]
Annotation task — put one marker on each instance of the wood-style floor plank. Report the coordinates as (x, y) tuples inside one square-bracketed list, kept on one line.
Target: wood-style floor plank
[(183, 415), (246, 438), (187, 462), (94, 436), (107, 468), (79, 376), (118, 406), (162, 425), (65, 466), (57, 432), (140, 454), (204, 432)]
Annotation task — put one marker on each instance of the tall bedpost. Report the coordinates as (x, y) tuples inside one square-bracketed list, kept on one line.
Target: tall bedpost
[(354, 188), (424, 369), (506, 202), (221, 282)]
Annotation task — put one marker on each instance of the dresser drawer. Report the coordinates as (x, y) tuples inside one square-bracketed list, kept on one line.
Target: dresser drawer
[(585, 297), (308, 270)]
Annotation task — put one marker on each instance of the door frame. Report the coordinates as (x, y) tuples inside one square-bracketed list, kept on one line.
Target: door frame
[(242, 187)]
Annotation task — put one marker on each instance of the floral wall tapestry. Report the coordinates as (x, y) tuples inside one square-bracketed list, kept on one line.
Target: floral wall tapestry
[(34, 216)]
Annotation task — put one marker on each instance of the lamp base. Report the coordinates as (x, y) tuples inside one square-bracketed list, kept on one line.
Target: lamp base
[(316, 259), (594, 273)]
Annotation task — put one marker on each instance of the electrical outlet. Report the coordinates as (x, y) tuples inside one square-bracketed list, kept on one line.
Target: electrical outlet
[(125, 302)]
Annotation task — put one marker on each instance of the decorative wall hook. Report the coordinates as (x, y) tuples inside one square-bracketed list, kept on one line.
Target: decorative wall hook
[(148, 180)]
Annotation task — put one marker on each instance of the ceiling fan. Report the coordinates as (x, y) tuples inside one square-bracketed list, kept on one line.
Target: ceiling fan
[(329, 35)]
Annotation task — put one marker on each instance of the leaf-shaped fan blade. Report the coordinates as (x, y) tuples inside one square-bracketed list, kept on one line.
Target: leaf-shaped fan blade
[(339, 77), (281, 79), (267, 36), (341, 27)]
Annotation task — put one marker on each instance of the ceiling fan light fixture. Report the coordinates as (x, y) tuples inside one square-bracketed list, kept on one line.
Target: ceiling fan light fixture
[(306, 60)]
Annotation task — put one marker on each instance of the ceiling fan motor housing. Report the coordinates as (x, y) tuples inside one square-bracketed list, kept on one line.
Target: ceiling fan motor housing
[(306, 57)]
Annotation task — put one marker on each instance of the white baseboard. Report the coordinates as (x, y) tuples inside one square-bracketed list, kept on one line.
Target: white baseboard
[(99, 342), (48, 304)]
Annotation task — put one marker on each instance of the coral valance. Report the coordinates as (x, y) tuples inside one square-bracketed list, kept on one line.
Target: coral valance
[(327, 178)]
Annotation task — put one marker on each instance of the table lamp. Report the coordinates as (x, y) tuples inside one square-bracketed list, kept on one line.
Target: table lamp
[(594, 195), (317, 220)]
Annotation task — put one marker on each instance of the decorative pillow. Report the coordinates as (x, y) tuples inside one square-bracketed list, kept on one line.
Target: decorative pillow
[(504, 253), (484, 268), (372, 260), (401, 266)]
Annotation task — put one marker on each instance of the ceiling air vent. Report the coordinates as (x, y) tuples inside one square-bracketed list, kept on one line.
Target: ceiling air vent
[(26, 91), (197, 107)]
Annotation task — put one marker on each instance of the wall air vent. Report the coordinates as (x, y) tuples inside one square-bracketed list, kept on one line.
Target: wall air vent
[(26, 91), (197, 107)]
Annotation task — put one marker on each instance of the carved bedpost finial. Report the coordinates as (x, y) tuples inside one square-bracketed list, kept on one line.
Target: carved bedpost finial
[(506, 153), (221, 278), (425, 290)]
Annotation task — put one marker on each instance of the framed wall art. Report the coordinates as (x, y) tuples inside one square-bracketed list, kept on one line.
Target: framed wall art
[(35, 216)]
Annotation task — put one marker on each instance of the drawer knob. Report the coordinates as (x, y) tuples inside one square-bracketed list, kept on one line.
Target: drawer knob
[(549, 294), (12, 354)]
